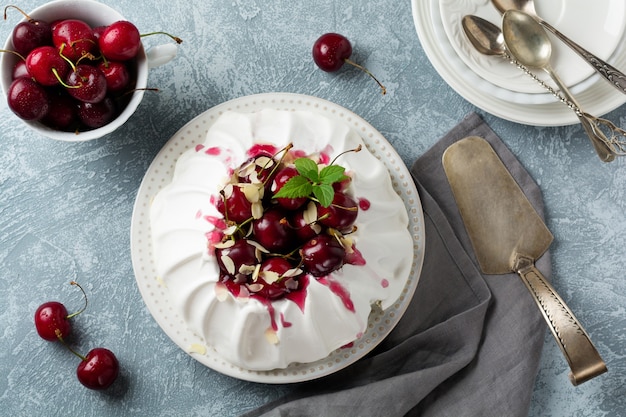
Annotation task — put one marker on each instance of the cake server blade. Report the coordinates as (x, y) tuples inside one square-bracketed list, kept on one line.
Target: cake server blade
[(508, 235)]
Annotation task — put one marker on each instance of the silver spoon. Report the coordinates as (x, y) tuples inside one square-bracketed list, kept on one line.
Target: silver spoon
[(529, 44), (488, 39), (610, 73)]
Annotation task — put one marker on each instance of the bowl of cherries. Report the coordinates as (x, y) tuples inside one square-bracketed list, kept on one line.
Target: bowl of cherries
[(75, 70)]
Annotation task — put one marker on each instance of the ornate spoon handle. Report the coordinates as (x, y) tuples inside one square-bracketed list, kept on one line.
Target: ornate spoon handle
[(581, 355), (606, 70)]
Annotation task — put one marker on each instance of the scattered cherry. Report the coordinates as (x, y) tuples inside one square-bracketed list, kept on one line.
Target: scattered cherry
[(98, 369), (52, 321), (332, 50)]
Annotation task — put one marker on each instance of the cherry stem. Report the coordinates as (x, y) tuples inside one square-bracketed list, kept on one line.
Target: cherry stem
[(277, 164), (84, 297), (30, 19), (357, 149), (58, 333), (14, 53), (365, 70), (175, 38)]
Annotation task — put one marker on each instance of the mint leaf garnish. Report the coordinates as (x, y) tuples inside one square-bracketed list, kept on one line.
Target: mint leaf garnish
[(324, 194), (332, 173), (296, 187), (307, 168)]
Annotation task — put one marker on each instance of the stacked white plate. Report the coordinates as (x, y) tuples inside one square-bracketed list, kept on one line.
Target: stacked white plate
[(499, 87)]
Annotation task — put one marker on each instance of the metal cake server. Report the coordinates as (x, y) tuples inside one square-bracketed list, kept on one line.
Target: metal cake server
[(508, 235)]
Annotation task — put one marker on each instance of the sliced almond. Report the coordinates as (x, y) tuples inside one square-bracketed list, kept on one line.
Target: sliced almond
[(228, 264), (271, 336)]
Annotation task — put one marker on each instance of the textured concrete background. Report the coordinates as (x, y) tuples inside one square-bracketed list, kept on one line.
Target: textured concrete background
[(66, 208)]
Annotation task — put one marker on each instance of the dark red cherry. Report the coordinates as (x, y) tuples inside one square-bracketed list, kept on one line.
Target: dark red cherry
[(86, 83), (304, 230), (281, 178), (98, 370), (27, 99), (46, 66), (120, 41), (280, 284), (116, 74), (62, 113), (31, 34), (322, 255), (73, 38), (20, 70), (234, 205), (232, 259), (50, 319), (95, 115), (273, 231), (341, 214), (332, 50)]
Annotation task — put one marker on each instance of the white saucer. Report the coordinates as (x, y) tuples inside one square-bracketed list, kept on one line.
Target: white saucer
[(606, 17), (599, 99)]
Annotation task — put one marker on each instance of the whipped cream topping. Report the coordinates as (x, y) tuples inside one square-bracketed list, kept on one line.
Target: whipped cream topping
[(330, 312)]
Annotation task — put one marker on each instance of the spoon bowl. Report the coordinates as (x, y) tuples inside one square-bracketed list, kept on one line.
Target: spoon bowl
[(486, 37), (527, 6), (526, 39)]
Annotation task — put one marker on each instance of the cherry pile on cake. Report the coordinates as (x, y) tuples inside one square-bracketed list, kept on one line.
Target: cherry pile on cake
[(278, 235)]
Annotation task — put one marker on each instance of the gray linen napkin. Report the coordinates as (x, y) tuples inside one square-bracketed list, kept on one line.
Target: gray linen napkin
[(468, 345)]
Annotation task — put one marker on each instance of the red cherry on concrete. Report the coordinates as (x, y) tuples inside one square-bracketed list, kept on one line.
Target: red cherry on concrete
[(27, 99), (98, 370), (43, 62), (50, 318), (87, 84), (120, 41), (73, 38), (332, 50)]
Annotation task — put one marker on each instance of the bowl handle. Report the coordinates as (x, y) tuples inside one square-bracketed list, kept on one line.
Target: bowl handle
[(161, 54)]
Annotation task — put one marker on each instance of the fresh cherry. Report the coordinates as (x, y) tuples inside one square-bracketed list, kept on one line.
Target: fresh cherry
[(73, 38), (52, 321), (20, 70), (116, 74), (29, 34), (95, 115), (306, 229), (322, 255), (281, 178), (234, 204), (27, 99), (120, 41), (280, 284), (341, 214), (62, 114), (273, 230), (332, 50), (98, 370), (46, 66), (233, 258), (86, 83)]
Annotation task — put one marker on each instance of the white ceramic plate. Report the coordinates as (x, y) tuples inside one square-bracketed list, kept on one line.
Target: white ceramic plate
[(598, 99), (597, 26), (159, 174)]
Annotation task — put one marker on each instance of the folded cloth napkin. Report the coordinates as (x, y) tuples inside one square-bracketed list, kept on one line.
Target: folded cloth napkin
[(468, 345)]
